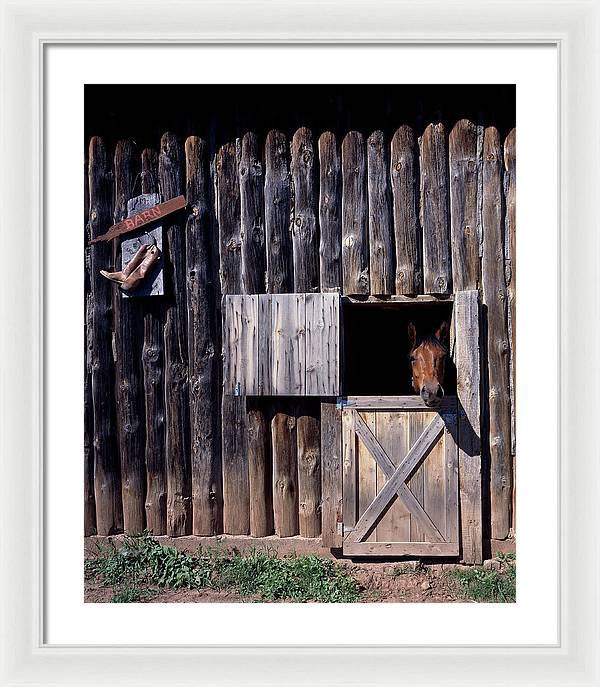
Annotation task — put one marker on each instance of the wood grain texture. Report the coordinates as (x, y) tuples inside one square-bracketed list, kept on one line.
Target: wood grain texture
[(350, 512), (202, 345), (355, 234), (323, 331), (498, 347), (236, 501), (366, 467), (280, 276), (229, 219), (179, 487), (437, 268), (252, 216), (289, 344), (466, 182), (305, 234), (466, 354), (407, 230), (381, 231), (107, 469), (330, 213), (308, 433), (129, 343), (331, 473), (285, 470), (259, 468), (153, 365)]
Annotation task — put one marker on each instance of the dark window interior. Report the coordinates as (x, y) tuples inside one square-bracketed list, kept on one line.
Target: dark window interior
[(376, 346)]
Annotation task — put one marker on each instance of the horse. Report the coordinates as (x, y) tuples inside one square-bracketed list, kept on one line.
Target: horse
[(428, 362)]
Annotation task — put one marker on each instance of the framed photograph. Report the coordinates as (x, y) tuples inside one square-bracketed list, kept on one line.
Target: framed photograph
[(299, 384)]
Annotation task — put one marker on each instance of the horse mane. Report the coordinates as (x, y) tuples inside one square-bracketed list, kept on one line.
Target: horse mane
[(430, 338)]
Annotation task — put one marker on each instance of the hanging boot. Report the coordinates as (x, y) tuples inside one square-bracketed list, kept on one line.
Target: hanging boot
[(137, 276), (136, 260)]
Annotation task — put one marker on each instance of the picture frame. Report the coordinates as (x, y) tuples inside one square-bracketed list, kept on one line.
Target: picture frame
[(27, 29)]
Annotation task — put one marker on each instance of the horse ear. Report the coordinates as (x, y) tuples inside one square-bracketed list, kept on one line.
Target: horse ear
[(442, 332), (412, 334)]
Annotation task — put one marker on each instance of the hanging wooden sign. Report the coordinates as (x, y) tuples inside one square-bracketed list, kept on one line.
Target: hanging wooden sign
[(143, 218)]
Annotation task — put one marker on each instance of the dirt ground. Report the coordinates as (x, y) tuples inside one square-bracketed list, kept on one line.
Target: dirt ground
[(379, 583)]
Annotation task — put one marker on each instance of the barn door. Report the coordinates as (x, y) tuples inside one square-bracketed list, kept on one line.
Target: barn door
[(400, 478), (282, 344)]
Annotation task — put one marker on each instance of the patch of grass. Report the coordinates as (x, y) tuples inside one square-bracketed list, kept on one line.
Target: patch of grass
[(479, 584), (142, 562)]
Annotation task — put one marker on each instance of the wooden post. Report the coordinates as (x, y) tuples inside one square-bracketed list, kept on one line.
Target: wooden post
[(467, 361), (407, 231), (130, 402), (308, 434), (494, 298), (355, 237), (330, 214), (285, 470), (179, 488), (261, 494), (154, 387), (89, 502), (107, 474), (437, 268), (277, 215), (202, 346), (305, 236), (381, 233), (331, 473), (466, 179), (236, 492)]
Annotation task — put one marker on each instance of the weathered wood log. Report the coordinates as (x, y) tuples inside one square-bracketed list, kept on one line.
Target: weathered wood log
[(89, 502), (179, 487), (252, 216), (498, 348), (107, 472), (330, 214), (405, 189), (130, 402), (236, 490), (331, 473), (228, 217), (437, 268), (466, 181), (285, 470), (381, 234), (259, 468), (510, 265), (355, 235), (305, 236), (308, 434), (277, 215), (202, 346), (154, 388)]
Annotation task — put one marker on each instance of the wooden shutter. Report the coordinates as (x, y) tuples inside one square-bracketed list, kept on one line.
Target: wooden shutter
[(282, 344)]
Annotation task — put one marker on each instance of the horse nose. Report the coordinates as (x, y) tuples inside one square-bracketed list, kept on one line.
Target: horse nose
[(432, 395)]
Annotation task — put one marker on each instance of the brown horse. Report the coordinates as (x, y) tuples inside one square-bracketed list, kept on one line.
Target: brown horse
[(428, 362)]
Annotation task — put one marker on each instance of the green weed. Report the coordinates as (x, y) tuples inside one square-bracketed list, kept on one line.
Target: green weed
[(484, 585)]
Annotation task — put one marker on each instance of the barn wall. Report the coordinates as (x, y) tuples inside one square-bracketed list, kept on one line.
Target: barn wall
[(365, 216)]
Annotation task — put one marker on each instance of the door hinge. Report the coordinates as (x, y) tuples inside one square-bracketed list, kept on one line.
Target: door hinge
[(341, 402)]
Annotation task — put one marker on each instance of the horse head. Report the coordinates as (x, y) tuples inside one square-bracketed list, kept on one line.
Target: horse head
[(428, 363)]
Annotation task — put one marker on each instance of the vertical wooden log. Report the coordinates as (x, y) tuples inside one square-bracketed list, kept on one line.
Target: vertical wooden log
[(407, 230), (153, 365), (305, 237), (277, 215), (259, 464), (466, 178), (467, 361), (236, 500), (130, 402), (381, 236), (179, 488), (331, 473), (309, 468), (202, 346), (330, 214), (107, 473), (89, 502), (285, 470), (510, 238), (494, 298), (252, 216), (355, 237), (437, 268)]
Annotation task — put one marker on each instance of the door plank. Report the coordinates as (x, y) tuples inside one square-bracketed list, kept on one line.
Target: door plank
[(349, 469), (379, 548), (288, 313), (366, 466), (322, 344)]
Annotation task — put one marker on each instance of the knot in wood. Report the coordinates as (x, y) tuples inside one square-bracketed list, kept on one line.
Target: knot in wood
[(490, 157), (399, 166), (349, 241), (441, 282), (467, 230), (298, 221)]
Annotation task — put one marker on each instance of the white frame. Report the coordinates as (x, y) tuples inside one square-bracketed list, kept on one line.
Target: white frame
[(27, 26)]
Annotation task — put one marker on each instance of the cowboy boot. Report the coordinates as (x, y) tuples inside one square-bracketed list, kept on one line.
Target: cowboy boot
[(137, 276), (136, 260)]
